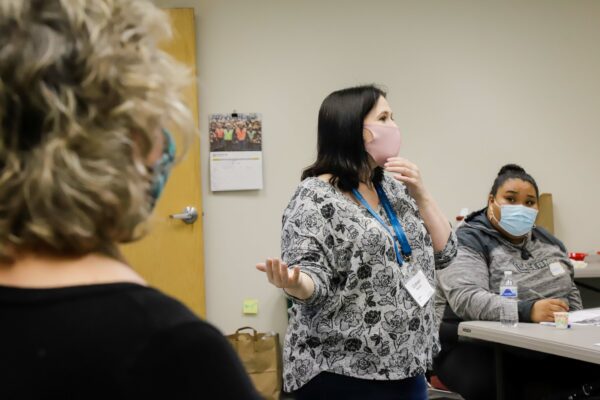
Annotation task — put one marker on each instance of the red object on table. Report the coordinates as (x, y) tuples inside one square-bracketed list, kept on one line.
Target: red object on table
[(578, 256)]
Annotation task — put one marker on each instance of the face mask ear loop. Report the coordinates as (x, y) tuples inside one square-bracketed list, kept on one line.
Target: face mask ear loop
[(492, 211)]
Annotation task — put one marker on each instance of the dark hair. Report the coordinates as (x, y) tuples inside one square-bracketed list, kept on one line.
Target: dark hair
[(512, 171), (340, 146)]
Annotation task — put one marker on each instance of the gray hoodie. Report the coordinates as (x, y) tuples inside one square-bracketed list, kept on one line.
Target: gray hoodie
[(470, 284)]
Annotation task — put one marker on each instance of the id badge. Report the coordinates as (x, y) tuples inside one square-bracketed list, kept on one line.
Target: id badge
[(419, 288), (556, 269)]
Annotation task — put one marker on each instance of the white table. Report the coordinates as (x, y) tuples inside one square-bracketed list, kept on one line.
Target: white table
[(578, 342), (591, 274), (592, 270)]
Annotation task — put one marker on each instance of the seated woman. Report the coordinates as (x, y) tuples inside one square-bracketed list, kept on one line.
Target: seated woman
[(503, 237)]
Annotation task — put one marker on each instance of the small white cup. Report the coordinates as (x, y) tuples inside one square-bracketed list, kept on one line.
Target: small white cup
[(561, 320)]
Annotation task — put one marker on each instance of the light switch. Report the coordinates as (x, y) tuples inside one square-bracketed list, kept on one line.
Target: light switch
[(250, 306)]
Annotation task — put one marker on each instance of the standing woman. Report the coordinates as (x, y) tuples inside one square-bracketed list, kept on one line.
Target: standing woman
[(359, 249)]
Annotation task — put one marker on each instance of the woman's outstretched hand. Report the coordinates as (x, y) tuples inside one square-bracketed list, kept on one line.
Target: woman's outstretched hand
[(279, 274), (292, 281)]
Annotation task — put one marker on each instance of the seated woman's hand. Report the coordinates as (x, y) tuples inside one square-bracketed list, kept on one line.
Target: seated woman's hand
[(543, 310), (280, 275)]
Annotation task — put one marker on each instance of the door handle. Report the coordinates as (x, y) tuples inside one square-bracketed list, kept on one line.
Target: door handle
[(188, 216)]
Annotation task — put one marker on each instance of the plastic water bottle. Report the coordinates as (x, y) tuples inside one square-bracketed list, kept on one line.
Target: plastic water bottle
[(509, 313)]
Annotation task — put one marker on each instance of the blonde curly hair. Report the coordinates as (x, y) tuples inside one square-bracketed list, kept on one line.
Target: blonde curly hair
[(83, 91)]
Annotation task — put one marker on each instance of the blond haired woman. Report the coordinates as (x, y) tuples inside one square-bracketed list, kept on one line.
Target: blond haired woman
[(85, 96)]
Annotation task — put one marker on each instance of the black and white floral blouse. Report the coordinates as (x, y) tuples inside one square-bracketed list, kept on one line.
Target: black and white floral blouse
[(360, 321)]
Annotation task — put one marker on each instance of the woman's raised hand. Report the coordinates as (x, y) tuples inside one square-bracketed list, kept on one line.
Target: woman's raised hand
[(408, 173)]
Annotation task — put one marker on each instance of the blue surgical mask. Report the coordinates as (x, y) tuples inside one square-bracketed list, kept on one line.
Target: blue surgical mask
[(162, 168), (517, 220)]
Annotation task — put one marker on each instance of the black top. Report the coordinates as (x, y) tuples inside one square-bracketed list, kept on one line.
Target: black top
[(110, 341)]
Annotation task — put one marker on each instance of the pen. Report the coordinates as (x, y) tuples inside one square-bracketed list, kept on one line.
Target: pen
[(537, 294), (541, 296), (552, 324)]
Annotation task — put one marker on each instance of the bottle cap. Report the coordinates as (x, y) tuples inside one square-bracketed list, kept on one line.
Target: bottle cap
[(507, 272)]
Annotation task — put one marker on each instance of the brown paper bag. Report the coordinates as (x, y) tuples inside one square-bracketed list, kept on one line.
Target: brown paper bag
[(261, 356), (545, 217)]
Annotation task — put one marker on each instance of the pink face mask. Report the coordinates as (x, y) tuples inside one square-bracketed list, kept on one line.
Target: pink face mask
[(385, 144)]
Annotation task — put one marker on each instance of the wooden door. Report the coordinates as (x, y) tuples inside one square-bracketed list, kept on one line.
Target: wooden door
[(171, 257)]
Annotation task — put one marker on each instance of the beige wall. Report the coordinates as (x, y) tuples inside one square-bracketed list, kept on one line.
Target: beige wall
[(474, 84)]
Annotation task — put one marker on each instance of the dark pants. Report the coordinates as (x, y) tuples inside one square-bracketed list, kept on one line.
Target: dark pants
[(329, 386), (468, 368)]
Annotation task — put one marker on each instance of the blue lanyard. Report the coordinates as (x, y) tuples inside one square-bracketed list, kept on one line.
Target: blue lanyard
[(400, 235)]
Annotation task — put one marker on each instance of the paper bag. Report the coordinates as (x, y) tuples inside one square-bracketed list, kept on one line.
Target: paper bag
[(545, 217), (261, 356)]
